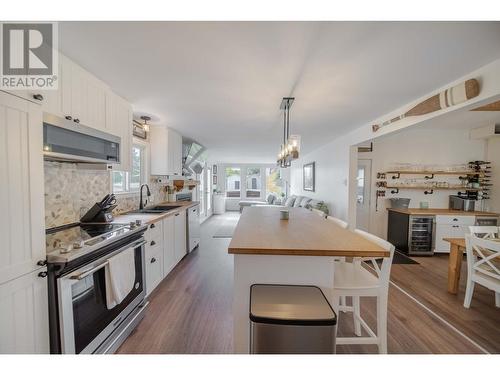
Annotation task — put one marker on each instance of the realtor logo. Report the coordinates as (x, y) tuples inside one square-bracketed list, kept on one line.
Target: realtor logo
[(29, 56)]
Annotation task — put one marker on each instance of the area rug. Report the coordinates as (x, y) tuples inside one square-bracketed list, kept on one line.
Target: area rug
[(226, 230), (400, 258)]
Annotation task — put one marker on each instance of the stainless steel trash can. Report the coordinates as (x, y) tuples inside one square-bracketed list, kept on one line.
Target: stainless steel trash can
[(291, 319)]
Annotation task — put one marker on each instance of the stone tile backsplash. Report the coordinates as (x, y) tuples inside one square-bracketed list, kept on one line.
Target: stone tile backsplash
[(70, 192)]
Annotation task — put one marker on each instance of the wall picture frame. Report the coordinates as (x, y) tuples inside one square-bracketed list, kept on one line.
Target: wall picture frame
[(309, 176), (214, 180), (214, 169)]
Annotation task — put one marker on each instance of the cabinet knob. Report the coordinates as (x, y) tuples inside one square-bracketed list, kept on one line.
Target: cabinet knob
[(152, 226), (153, 260), (42, 274), (41, 263), (38, 97), (68, 118), (77, 120), (455, 219), (153, 243), (177, 214)]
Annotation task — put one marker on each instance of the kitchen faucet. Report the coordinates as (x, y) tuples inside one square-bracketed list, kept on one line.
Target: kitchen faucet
[(148, 192)]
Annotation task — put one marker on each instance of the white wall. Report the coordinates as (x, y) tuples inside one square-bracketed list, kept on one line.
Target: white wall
[(332, 171), (335, 159), (421, 146)]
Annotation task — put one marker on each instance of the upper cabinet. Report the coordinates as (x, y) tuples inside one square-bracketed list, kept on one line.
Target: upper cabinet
[(80, 96), (83, 96), (166, 151), (119, 123), (22, 223)]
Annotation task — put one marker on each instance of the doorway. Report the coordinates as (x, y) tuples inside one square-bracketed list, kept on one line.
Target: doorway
[(363, 194)]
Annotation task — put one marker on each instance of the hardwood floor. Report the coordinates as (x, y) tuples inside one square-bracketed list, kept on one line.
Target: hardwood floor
[(190, 311)]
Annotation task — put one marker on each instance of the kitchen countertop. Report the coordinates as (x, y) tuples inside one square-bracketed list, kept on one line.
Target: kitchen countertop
[(149, 218), (261, 232), (440, 211)]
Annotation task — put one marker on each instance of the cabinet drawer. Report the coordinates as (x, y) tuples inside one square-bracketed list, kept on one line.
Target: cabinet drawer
[(154, 267), (154, 231), (456, 219)]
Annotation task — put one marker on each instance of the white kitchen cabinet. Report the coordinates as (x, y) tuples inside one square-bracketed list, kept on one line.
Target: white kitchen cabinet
[(119, 123), (166, 151), (24, 315), (154, 263), (180, 235), (169, 259), (22, 223), (449, 226), (82, 96)]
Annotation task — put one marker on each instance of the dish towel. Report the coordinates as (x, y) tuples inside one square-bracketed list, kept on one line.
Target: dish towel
[(120, 277)]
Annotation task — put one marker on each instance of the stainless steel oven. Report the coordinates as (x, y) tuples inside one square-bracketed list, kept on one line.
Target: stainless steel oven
[(84, 323)]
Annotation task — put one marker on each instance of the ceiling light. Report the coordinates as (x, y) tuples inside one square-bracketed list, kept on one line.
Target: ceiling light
[(145, 126), (290, 148)]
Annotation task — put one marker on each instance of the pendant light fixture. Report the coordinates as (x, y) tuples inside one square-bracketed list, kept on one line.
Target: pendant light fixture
[(290, 148)]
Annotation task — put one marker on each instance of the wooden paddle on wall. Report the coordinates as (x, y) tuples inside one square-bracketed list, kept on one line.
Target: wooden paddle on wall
[(447, 98)]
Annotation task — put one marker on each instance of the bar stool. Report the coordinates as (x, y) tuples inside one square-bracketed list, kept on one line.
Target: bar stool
[(353, 280)]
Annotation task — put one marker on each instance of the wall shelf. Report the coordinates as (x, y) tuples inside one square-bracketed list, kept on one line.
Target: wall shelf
[(434, 188)]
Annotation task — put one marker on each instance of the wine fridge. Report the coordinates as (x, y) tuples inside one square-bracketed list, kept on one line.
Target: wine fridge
[(412, 234)]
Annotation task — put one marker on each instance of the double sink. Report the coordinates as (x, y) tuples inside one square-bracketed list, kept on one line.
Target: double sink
[(154, 210)]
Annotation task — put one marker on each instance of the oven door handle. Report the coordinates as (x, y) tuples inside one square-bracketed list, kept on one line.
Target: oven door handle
[(82, 275)]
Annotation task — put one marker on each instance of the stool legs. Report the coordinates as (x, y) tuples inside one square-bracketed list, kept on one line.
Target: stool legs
[(382, 323), (356, 311)]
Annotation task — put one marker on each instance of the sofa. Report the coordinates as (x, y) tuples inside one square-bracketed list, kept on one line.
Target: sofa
[(291, 201)]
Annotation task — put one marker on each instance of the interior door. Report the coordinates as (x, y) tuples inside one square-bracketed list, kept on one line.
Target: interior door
[(363, 190)]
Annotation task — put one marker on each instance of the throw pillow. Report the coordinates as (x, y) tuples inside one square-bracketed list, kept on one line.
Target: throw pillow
[(297, 201), (290, 201), (304, 202)]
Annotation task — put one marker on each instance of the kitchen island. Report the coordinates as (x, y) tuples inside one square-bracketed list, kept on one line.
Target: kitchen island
[(298, 251)]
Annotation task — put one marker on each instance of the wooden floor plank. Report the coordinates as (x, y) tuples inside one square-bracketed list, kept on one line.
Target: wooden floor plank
[(191, 310)]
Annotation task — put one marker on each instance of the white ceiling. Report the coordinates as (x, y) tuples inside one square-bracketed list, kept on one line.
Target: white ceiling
[(221, 83)]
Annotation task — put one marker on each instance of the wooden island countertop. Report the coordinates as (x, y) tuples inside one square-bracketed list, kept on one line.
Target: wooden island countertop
[(261, 232)]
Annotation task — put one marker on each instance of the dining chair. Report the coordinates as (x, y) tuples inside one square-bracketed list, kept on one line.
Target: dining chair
[(355, 281), (484, 231), (339, 222), (483, 266)]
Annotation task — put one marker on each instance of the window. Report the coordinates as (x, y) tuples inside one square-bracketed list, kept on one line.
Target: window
[(253, 186), (360, 191), (273, 181), (233, 180), (128, 182)]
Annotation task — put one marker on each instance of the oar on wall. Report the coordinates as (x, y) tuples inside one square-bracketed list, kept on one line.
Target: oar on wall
[(455, 95)]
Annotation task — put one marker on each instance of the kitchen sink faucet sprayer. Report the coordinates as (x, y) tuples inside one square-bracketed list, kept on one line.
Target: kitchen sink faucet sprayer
[(142, 203)]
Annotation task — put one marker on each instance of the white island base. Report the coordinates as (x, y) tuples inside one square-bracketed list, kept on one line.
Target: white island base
[(273, 269)]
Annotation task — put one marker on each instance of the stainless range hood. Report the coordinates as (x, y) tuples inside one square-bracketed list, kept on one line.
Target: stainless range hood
[(193, 157)]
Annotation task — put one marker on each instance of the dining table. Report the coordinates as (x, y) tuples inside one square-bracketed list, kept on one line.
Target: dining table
[(297, 251), (457, 250)]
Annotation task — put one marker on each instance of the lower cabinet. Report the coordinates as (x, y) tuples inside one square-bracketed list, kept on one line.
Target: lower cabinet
[(24, 315), (165, 247), (180, 235), (169, 260), (154, 264), (448, 226)]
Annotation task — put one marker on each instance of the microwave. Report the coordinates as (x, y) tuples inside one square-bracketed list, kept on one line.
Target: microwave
[(66, 140)]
